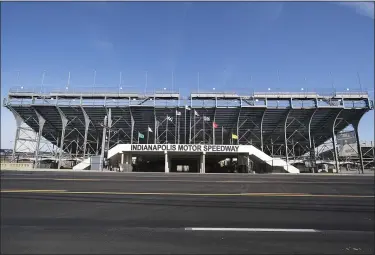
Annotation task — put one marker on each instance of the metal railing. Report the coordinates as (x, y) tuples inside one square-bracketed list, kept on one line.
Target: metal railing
[(138, 91)]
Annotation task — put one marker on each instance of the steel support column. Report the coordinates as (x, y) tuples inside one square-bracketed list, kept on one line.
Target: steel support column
[(64, 122), (312, 152), (19, 122), (41, 122), (359, 148), (286, 138), (109, 121), (97, 146), (261, 130), (103, 142), (334, 142), (238, 120), (87, 124)]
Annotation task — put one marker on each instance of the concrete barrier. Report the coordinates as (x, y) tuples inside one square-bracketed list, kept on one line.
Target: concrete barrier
[(16, 166)]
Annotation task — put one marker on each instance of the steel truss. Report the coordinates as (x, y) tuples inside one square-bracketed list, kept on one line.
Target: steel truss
[(289, 125)]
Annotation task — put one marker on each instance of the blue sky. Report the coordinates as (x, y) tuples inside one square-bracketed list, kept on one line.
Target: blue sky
[(235, 46)]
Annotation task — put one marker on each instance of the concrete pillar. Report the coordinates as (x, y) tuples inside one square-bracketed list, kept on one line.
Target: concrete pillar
[(166, 162), (121, 165), (126, 162), (243, 162), (122, 157), (202, 163), (170, 164)]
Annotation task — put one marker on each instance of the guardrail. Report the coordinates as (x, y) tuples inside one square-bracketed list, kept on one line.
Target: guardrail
[(16, 166)]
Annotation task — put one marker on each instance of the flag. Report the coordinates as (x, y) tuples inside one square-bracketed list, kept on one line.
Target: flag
[(149, 129), (205, 118), (234, 136), (187, 108), (195, 113), (178, 113), (169, 118), (214, 125), (141, 135)]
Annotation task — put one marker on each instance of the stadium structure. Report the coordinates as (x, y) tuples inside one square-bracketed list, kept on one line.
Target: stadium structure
[(204, 132)]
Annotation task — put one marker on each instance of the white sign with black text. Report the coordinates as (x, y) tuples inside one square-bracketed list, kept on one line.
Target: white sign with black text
[(185, 147)]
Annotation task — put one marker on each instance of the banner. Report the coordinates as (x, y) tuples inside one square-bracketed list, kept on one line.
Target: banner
[(185, 147)]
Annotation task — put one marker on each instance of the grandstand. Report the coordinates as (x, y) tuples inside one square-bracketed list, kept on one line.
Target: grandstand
[(83, 125)]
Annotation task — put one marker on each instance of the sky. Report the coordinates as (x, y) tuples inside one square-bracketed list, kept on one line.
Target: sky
[(231, 46)]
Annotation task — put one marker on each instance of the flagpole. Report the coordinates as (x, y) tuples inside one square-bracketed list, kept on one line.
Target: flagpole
[(166, 132), (175, 128), (185, 125), (190, 126), (194, 128), (179, 130), (148, 130), (213, 132), (203, 130), (156, 132), (222, 135)]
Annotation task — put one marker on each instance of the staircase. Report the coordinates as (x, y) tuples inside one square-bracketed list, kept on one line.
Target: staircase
[(83, 165)]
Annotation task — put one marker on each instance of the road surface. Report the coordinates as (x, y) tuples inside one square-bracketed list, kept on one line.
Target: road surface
[(119, 213)]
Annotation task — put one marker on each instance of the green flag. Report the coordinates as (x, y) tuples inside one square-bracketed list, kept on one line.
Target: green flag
[(141, 135)]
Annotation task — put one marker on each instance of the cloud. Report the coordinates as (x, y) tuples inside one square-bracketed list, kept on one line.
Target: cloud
[(103, 45), (361, 8)]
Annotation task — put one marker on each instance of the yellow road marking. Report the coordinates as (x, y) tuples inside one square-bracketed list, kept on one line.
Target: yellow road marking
[(33, 191), (188, 194)]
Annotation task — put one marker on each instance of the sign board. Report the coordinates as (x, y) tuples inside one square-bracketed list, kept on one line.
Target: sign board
[(185, 147)]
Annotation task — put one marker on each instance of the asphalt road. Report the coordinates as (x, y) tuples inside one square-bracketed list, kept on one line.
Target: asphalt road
[(60, 212)]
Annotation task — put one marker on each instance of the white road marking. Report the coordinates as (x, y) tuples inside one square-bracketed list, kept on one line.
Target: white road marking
[(255, 230)]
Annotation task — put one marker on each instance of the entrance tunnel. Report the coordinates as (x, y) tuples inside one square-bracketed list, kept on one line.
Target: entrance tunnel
[(189, 162)]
